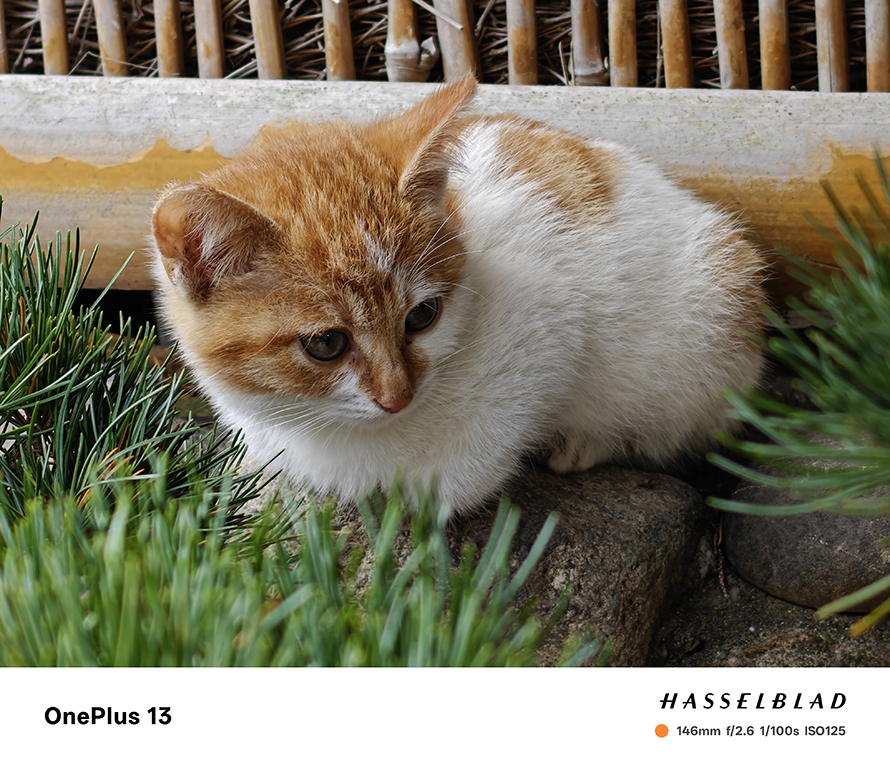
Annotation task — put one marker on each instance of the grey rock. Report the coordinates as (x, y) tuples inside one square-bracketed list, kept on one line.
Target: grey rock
[(810, 559), (724, 621), (624, 542)]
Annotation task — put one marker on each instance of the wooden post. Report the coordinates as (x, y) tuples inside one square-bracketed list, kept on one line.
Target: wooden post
[(209, 39), (676, 43), (168, 34), (266, 25), (775, 51), (522, 43), (454, 23), (4, 50), (623, 43), (877, 45), (407, 59), (112, 41), (731, 52), (338, 56), (831, 46), (54, 33), (588, 66), (402, 49)]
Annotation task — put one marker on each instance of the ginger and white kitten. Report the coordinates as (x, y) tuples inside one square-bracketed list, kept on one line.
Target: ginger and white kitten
[(442, 293)]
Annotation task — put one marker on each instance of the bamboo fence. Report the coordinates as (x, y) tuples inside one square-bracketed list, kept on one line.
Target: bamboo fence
[(826, 45)]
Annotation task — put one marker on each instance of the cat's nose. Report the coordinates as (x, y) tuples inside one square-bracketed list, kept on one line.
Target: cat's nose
[(396, 403)]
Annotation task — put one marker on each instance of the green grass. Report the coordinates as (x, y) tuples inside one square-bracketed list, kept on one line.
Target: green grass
[(146, 580)]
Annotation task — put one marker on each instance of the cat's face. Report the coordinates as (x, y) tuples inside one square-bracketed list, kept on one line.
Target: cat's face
[(321, 266)]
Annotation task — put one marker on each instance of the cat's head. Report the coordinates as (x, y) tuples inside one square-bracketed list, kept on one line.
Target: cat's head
[(321, 264)]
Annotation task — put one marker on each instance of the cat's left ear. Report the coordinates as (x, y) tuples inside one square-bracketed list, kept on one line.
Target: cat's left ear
[(423, 139), (206, 236), (423, 181)]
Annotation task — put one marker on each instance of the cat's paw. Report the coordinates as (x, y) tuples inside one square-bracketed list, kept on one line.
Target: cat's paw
[(576, 453)]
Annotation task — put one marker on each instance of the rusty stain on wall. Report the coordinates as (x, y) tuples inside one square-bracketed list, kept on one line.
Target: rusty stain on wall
[(778, 211), (152, 168)]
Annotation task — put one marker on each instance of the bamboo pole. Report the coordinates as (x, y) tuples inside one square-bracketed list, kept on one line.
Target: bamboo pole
[(112, 42), (209, 38), (775, 51), (877, 45), (338, 56), (454, 23), (4, 49), (266, 24), (731, 53), (522, 43), (54, 33), (168, 36), (588, 66), (831, 46), (676, 43), (623, 43), (402, 49)]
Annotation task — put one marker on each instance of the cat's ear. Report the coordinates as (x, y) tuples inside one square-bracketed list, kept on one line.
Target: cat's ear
[(206, 236), (423, 181), (423, 138)]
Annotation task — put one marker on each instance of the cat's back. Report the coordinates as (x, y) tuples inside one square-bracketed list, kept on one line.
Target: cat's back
[(584, 207), (509, 169)]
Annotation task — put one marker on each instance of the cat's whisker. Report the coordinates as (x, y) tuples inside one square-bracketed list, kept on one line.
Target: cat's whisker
[(456, 236), (439, 230), (453, 285), (305, 425), (423, 262), (462, 348), (463, 232), (443, 260), (291, 414), (434, 244), (337, 429)]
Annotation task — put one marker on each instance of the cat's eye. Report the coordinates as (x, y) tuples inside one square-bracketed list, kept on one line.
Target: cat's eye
[(327, 346), (422, 316)]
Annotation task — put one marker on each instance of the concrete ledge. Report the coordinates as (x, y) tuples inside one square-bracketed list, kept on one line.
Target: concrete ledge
[(94, 152)]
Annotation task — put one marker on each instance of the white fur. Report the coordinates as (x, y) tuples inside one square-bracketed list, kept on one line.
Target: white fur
[(598, 342)]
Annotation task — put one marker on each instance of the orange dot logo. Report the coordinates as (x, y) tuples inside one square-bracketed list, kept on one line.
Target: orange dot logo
[(661, 730)]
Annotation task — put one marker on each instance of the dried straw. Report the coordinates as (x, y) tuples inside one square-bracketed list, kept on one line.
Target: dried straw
[(303, 37)]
